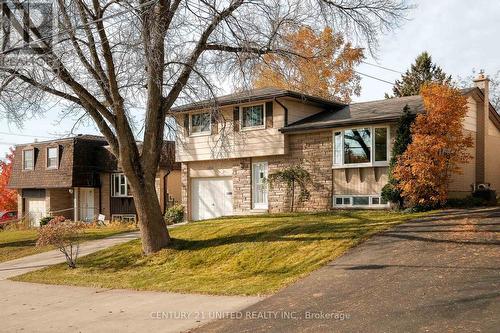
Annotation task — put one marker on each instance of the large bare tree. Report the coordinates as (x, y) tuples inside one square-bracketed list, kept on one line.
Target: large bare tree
[(123, 64)]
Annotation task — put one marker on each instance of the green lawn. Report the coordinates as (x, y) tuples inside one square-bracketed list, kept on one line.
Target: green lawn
[(20, 243), (230, 256)]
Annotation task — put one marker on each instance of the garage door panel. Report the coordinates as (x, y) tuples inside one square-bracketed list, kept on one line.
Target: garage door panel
[(211, 197), (35, 207)]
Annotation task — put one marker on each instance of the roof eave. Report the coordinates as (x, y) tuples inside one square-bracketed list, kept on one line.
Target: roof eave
[(347, 122), (287, 93)]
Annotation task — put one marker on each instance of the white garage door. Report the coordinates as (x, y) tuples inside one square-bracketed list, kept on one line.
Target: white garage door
[(212, 197), (36, 210)]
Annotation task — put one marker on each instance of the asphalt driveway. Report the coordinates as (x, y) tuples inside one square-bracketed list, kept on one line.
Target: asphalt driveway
[(439, 274)]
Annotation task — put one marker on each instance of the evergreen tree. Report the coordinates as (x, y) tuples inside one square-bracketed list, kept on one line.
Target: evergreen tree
[(390, 191), (422, 71)]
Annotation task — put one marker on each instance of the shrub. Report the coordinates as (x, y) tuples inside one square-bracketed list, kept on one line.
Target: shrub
[(391, 193), (45, 220), (489, 196), (466, 202), (293, 175), (63, 234), (174, 214)]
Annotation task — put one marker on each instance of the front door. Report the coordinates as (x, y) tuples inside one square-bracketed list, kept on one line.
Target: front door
[(259, 185), (87, 204)]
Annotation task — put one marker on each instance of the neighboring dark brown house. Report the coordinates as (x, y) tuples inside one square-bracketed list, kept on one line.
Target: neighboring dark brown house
[(79, 178)]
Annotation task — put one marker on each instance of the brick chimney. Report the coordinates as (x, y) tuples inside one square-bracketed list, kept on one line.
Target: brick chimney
[(483, 109)]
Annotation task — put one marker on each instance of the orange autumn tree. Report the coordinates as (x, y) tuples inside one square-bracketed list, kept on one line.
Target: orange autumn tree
[(438, 148), (323, 65), (8, 197)]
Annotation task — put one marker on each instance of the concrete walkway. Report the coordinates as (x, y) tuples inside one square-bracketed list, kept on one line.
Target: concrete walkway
[(44, 259), (28, 307), (439, 274)]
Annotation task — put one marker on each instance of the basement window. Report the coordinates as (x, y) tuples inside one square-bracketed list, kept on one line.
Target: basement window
[(124, 218), (359, 201)]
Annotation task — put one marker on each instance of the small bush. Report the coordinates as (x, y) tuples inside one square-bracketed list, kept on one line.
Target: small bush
[(45, 220), (488, 196), (63, 234), (467, 202), (174, 214), (390, 193)]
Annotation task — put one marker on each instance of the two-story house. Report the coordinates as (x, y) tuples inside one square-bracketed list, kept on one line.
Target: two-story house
[(227, 155), (79, 178)]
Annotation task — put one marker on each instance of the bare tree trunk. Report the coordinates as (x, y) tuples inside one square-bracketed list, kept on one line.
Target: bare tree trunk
[(293, 193), (154, 232)]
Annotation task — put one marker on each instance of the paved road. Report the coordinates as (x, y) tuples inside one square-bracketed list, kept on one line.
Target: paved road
[(27, 307), (439, 274)]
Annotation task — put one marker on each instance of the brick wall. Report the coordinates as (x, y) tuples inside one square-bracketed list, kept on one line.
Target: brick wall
[(312, 151), (185, 188), (242, 188), (106, 195), (59, 201)]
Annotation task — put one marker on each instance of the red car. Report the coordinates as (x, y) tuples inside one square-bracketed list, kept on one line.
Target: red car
[(7, 216)]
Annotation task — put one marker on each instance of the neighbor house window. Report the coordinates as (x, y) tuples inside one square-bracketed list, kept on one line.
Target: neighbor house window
[(52, 157), (28, 159), (200, 123), (119, 185), (361, 146), (252, 116)]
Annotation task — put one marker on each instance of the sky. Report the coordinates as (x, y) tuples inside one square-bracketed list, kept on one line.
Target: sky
[(460, 35)]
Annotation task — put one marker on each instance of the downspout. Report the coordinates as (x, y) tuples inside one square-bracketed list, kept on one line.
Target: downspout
[(284, 108)]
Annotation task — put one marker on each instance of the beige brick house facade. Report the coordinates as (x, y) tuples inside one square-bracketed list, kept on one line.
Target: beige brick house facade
[(223, 162)]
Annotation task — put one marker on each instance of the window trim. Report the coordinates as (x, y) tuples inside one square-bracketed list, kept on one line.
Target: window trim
[(203, 133), (351, 201), (47, 158), (372, 162), (33, 164), (251, 128), (113, 191)]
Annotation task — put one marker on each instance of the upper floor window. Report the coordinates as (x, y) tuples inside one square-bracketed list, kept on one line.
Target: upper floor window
[(361, 146), (252, 116), (200, 123), (52, 157), (120, 186), (28, 159)]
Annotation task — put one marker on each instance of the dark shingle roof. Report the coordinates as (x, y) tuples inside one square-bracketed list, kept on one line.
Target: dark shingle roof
[(358, 113), (254, 95)]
